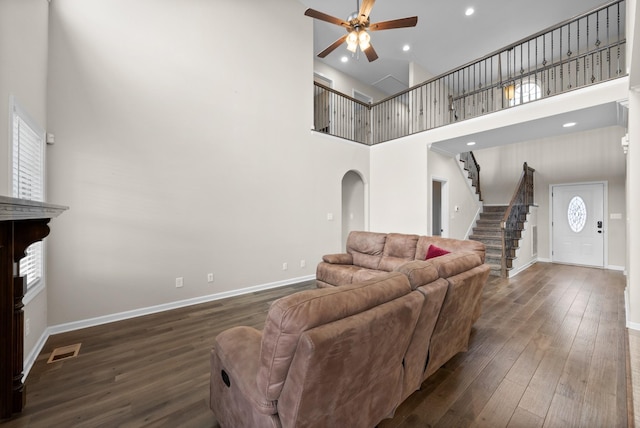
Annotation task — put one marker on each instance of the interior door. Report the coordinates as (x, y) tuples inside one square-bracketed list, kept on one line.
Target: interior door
[(578, 224)]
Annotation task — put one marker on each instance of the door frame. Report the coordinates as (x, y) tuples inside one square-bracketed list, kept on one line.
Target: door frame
[(444, 205), (365, 207), (605, 217)]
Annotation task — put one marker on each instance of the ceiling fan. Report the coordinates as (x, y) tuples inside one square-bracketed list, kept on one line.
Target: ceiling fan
[(357, 25)]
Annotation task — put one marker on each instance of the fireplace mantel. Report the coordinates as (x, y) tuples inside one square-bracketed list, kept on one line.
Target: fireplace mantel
[(22, 223)]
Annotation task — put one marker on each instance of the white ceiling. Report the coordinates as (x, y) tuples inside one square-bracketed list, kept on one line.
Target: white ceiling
[(445, 39), (585, 119)]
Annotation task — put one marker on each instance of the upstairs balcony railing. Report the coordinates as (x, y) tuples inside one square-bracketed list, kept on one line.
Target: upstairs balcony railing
[(583, 51)]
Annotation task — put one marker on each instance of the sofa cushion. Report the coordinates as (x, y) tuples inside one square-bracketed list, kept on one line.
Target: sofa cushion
[(398, 249), (367, 274), (290, 316), (336, 274), (366, 248), (435, 251)]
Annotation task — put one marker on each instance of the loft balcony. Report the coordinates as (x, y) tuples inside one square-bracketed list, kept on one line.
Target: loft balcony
[(586, 50)]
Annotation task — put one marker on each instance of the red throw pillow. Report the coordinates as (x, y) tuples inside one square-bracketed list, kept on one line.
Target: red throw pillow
[(434, 251)]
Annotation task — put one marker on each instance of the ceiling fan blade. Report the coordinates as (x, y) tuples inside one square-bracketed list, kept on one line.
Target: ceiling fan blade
[(394, 23), (331, 48), (326, 18), (371, 53), (365, 10)]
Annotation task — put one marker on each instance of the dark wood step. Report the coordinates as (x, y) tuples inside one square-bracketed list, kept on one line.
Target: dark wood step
[(494, 208)]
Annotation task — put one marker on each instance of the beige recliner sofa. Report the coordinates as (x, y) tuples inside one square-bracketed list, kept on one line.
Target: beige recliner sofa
[(341, 357), (349, 354), (371, 254)]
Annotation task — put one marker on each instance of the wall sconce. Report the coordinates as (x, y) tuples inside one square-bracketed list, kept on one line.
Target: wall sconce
[(510, 92)]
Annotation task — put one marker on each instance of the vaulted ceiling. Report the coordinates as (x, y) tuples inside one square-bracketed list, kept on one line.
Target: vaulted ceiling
[(444, 37)]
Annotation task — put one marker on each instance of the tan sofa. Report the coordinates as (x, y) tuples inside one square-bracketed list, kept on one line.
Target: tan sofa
[(371, 255), (349, 354), (341, 356)]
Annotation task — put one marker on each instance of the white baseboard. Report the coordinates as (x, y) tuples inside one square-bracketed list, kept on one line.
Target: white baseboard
[(30, 360), (618, 268), (630, 325), (91, 322), (514, 272)]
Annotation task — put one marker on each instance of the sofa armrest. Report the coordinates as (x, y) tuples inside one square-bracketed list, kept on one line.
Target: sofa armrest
[(455, 263), (419, 272), (238, 353), (338, 259)]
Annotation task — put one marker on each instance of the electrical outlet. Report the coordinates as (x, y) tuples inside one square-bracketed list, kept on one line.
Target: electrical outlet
[(303, 263), (27, 327), (209, 277), (179, 282), (285, 266)]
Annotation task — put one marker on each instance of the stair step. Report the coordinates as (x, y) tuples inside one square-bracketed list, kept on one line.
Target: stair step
[(489, 222), (487, 230), (495, 208), (491, 217)]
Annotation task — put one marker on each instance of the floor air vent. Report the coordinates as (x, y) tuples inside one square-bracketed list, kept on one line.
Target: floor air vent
[(64, 353)]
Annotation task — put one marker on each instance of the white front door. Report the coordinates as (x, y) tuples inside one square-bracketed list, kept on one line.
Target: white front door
[(578, 224)]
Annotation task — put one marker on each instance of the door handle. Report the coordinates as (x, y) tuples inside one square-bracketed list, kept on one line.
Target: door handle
[(599, 225)]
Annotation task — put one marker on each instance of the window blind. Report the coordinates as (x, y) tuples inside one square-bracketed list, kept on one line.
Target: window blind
[(28, 182)]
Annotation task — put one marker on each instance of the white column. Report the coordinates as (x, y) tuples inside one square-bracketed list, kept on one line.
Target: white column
[(633, 213)]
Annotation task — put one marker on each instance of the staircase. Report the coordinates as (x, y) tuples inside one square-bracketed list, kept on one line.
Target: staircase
[(500, 252), (488, 232)]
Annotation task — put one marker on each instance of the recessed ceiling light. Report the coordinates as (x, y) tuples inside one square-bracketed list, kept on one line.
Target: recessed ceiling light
[(569, 124), (406, 48), (344, 59), (469, 11), (471, 143)]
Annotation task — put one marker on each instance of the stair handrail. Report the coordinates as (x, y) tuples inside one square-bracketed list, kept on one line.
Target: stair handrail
[(518, 207), (473, 167)]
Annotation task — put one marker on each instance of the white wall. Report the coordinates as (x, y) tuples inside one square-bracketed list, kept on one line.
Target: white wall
[(23, 71), (344, 83), (525, 254), (459, 194), (633, 212), (183, 147), (633, 172), (574, 158), (418, 75), (400, 191), (399, 186)]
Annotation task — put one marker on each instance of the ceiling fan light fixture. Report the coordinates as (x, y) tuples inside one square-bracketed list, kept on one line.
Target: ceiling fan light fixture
[(364, 40), (352, 41), (357, 25)]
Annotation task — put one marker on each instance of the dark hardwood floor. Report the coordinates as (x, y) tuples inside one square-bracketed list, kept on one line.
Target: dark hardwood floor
[(549, 350)]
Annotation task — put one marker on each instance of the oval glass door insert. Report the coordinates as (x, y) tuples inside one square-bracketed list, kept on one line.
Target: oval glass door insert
[(577, 214)]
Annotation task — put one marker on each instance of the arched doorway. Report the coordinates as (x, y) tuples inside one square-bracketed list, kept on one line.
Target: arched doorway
[(353, 204)]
